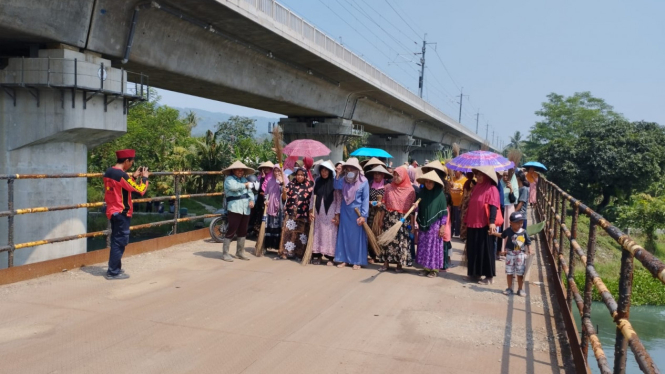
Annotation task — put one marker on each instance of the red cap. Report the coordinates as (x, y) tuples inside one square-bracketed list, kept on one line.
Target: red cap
[(125, 153)]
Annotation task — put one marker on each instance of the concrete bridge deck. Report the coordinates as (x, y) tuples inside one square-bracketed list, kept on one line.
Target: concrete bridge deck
[(185, 311)]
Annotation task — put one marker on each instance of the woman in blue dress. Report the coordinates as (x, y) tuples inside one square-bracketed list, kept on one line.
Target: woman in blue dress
[(351, 239)]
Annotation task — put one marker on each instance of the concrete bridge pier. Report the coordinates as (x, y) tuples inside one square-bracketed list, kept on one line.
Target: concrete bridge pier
[(334, 133), (399, 146), (428, 152), (53, 107)]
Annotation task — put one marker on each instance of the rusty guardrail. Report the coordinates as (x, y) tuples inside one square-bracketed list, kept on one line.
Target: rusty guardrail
[(10, 213), (551, 207)]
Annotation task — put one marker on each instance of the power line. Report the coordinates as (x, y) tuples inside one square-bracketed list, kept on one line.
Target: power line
[(359, 33), (362, 11), (387, 20), (448, 72), (400, 16)]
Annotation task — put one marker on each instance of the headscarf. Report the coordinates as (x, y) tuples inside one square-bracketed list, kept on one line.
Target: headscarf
[(400, 197), (274, 192), (266, 179), (482, 193), (378, 185), (324, 190), (432, 206), (350, 188)]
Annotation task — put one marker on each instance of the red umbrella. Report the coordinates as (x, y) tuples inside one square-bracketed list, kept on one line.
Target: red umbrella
[(306, 148)]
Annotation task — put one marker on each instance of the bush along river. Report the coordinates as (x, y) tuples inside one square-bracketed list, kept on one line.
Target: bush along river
[(648, 322)]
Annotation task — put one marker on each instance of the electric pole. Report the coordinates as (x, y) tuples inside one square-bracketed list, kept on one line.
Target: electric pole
[(477, 117), (487, 131), (461, 98), (493, 138), (421, 79)]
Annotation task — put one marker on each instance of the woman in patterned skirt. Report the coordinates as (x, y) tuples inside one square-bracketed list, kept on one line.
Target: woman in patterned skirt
[(397, 200), (296, 223), (432, 220)]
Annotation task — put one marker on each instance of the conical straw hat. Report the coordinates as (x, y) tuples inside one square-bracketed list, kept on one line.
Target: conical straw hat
[(431, 176), (379, 169), (267, 165), (434, 165), (488, 171), (238, 165), (373, 162), (353, 162)]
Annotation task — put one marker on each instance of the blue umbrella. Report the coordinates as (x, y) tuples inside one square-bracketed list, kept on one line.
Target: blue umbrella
[(371, 152), (535, 164)]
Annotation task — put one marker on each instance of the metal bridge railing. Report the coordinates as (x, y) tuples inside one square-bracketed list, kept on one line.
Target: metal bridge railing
[(551, 207), (10, 213)]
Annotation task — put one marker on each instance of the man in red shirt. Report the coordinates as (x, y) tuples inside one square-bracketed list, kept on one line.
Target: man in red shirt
[(118, 188)]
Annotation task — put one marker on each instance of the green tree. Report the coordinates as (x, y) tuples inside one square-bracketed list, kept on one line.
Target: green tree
[(516, 141), (645, 213), (236, 128), (611, 159), (566, 118)]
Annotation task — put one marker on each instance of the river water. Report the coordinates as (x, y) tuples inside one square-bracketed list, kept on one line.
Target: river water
[(648, 322)]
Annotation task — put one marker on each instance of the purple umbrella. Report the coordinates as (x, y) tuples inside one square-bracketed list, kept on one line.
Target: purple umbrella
[(467, 161)]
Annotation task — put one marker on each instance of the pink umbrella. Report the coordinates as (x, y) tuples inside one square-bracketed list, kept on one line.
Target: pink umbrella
[(306, 148)]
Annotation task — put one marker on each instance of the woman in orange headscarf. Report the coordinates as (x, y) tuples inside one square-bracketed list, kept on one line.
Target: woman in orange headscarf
[(397, 200)]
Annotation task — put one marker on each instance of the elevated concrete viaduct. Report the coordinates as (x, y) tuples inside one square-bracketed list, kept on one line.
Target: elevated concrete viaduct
[(254, 53)]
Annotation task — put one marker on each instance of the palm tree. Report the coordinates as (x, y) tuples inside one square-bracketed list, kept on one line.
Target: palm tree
[(516, 141)]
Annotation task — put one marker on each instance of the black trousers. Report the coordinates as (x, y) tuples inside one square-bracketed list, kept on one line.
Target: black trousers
[(237, 225), (119, 239)]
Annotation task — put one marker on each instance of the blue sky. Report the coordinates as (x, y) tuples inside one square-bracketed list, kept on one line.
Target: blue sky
[(506, 54)]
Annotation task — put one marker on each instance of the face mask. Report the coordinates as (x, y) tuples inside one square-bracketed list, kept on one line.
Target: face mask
[(350, 175)]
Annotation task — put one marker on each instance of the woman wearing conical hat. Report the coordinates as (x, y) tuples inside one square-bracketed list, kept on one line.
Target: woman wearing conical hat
[(377, 177), (265, 176), (325, 207), (351, 238), (432, 219), (239, 203)]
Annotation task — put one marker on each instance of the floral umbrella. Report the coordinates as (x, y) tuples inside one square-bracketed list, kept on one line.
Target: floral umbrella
[(306, 148), (467, 161)]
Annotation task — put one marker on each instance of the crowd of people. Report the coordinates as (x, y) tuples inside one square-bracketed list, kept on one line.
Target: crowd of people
[(340, 199)]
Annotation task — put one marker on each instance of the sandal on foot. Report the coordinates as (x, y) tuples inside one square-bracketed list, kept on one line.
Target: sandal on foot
[(508, 291), (423, 273), (399, 270), (370, 260), (486, 281), (521, 293), (316, 261), (432, 274), (383, 268), (329, 263), (343, 264), (356, 267)]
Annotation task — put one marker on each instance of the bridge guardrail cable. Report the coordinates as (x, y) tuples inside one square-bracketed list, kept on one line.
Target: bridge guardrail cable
[(11, 212), (551, 198)]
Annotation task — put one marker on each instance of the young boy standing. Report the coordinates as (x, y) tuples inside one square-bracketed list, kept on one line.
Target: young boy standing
[(517, 249)]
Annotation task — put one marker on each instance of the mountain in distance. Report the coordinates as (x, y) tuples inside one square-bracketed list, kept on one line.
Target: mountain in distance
[(208, 121)]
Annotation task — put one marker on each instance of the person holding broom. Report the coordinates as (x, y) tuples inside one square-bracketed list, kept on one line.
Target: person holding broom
[(275, 208), (432, 220), (351, 239), (325, 214), (397, 200), (296, 223), (376, 190)]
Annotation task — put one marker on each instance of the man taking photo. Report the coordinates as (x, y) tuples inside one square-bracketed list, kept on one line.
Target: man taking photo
[(118, 188)]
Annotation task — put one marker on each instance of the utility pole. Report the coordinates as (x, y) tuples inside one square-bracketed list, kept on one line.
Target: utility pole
[(477, 117), (421, 79), (493, 142), (487, 131), (461, 98)]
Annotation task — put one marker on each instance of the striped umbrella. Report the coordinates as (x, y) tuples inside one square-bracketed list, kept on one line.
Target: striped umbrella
[(467, 161)]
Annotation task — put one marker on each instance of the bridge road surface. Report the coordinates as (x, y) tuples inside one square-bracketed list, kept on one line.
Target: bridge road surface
[(185, 311)]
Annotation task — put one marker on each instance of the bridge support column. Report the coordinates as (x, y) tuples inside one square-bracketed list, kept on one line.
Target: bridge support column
[(428, 152), (399, 146), (52, 109), (334, 133)]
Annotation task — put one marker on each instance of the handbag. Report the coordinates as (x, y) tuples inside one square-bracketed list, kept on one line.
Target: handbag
[(498, 221)]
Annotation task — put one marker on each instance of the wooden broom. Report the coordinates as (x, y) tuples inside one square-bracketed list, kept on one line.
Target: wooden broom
[(258, 250), (371, 239), (390, 234), (310, 240)]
